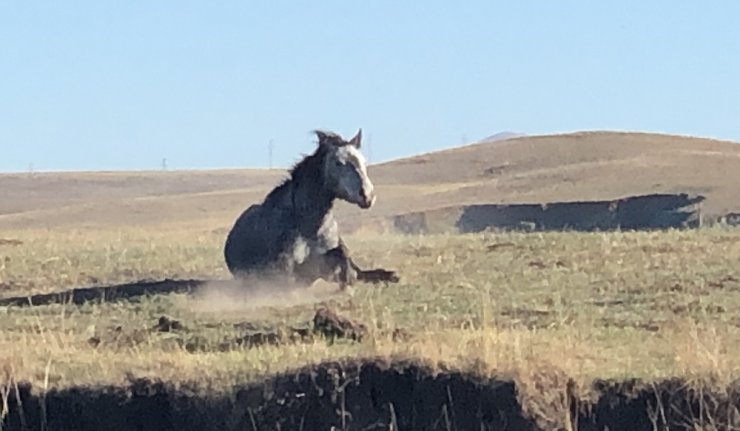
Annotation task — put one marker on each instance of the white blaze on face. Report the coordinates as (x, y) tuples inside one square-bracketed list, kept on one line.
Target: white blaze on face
[(355, 184)]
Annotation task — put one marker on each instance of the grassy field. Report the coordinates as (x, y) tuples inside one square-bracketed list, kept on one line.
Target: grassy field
[(542, 309), (532, 307)]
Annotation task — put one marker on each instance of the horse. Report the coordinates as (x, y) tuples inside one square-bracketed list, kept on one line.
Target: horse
[(293, 231)]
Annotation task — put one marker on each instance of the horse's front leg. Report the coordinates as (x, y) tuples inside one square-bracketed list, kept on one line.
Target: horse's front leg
[(339, 267)]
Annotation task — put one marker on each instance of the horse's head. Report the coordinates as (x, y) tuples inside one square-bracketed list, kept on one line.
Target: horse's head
[(345, 170)]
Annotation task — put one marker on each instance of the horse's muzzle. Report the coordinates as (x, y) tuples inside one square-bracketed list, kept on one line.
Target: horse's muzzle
[(367, 200)]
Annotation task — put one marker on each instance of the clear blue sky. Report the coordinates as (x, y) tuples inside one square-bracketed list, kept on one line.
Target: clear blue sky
[(120, 85)]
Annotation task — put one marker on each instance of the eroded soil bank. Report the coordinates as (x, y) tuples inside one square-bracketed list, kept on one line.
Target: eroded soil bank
[(369, 396)]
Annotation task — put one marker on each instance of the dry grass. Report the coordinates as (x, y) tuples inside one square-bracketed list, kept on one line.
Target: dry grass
[(561, 305), (539, 308), (579, 166)]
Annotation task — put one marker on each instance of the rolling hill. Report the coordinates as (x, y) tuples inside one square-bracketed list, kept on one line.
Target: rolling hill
[(533, 169)]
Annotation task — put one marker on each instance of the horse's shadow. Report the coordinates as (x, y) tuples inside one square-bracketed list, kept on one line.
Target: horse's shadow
[(133, 290), (79, 296)]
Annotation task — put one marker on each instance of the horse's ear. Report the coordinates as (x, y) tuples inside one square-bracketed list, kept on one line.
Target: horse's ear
[(323, 137), (357, 140)]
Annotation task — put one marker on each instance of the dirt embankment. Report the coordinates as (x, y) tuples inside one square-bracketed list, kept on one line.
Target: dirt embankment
[(366, 396), (656, 211)]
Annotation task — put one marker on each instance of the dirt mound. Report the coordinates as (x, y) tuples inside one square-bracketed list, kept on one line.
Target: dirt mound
[(326, 324), (332, 325), (370, 395)]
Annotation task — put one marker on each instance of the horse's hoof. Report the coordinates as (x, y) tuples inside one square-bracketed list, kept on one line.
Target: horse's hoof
[(380, 275)]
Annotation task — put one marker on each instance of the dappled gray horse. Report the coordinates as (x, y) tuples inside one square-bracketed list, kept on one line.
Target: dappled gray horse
[(293, 231)]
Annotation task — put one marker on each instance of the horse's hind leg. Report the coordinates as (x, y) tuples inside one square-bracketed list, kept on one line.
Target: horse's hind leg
[(376, 275), (331, 266), (347, 271)]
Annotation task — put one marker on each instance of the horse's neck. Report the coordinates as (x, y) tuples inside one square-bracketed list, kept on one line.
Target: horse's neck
[(311, 206)]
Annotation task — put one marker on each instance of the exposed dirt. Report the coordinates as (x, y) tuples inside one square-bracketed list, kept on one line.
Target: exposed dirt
[(647, 212), (332, 325), (330, 396), (326, 324), (166, 324), (367, 396), (672, 404)]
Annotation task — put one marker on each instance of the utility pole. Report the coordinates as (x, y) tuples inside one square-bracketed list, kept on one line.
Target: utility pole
[(164, 163), (270, 146), (369, 148)]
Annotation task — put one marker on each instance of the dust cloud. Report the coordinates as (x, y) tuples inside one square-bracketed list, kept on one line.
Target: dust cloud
[(240, 295)]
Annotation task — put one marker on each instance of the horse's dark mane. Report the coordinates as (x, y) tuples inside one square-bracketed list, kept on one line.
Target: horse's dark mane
[(308, 168), (308, 162)]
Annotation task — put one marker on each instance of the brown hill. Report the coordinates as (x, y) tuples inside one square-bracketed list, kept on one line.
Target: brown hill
[(578, 166)]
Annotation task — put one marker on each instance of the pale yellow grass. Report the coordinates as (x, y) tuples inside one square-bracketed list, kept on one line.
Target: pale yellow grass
[(531, 307), (533, 169), (703, 353)]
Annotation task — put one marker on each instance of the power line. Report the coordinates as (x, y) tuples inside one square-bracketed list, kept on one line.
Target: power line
[(270, 146)]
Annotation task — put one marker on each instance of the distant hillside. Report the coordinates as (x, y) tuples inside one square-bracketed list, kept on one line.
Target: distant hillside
[(577, 166)]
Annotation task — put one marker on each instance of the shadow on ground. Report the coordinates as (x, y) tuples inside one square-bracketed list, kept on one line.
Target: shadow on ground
[(108, 293), (368, 396)]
